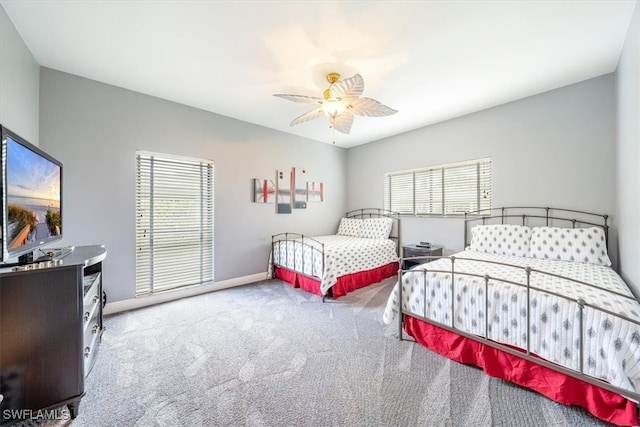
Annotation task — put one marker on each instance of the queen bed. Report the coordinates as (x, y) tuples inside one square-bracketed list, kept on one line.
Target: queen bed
[(363, 251), (536, 304)]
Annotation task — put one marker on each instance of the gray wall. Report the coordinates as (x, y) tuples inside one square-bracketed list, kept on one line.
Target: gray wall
[(554, 149), (19, 82), (628, 151), (95, 129)]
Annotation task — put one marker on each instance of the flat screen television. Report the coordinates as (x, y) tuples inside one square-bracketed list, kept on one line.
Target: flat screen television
[(31, 197)]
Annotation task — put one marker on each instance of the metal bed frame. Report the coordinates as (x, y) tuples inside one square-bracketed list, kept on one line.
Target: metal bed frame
[(317, 248), (550, 217)]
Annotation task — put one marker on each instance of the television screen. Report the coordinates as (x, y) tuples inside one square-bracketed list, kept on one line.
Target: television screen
[(32, 196)]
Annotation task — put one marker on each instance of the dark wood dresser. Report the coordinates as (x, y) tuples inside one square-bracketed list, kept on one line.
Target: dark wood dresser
[(50, 328)]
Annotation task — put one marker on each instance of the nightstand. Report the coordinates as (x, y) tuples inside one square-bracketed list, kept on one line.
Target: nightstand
[(414, 251)]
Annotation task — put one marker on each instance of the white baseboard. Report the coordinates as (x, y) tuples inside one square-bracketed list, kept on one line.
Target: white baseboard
[(131, 304)]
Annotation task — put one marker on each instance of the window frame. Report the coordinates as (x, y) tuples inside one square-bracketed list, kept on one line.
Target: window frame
[(415, 200), (174, 223)]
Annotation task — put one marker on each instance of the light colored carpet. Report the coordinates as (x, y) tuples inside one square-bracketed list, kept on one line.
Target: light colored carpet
[(269, 355)]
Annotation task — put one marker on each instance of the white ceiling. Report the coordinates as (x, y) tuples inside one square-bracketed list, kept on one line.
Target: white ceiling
[(430, 60)]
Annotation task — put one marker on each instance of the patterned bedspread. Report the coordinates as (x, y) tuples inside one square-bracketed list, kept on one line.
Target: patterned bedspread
[(342, 255), (612, 344)]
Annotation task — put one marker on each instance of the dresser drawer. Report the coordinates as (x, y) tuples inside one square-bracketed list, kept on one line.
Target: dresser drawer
[(91, 288), (91, 330), (408, 252), (90, 345), (91, 298)]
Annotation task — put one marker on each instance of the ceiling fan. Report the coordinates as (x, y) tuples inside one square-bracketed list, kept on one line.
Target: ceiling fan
[(340, 101)]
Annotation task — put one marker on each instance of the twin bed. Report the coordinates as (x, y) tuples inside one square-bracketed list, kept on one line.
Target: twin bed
[(532, 298), (363, 251)]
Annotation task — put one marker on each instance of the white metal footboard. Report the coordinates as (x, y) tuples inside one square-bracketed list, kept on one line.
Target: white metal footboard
[(306, 256)]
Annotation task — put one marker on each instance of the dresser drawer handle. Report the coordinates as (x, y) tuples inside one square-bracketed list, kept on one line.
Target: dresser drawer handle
[(86, 316), (87, 351), (95, 329)]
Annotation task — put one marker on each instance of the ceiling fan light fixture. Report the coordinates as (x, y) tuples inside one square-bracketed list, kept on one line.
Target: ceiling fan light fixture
[(339, 102), (333, 107)]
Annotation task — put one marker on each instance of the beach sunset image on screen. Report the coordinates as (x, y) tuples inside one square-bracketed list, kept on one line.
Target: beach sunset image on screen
[(33, 196)]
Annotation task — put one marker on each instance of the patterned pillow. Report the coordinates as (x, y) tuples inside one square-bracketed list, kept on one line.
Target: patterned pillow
[(584, 245), (501, 239), (376, 228), (350, 227)]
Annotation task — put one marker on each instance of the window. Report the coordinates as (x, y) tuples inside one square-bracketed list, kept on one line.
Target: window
[(448, 189), (174, 222)]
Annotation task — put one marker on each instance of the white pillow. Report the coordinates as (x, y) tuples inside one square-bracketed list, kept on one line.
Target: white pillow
[(376, 228), (584, 245), (501, 239), (350, 227)]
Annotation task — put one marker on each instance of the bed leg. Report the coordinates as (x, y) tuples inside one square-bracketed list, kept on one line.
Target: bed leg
[(328, 295)]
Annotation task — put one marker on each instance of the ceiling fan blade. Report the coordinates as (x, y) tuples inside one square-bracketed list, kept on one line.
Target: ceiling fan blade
[(300, 98), (343, 122), (313, 114), (353, 86), (369, 107)]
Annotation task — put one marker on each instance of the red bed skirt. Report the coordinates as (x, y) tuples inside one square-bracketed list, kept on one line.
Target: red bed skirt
[(344, 285), (604, 404)]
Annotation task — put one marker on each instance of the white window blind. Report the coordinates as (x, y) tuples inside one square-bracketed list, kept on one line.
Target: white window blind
[(440, 190), (174, 222)]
